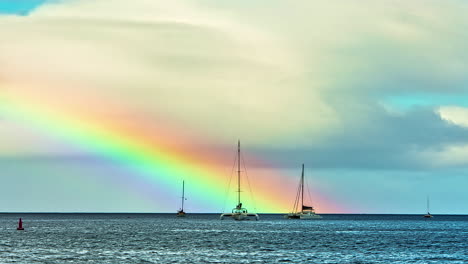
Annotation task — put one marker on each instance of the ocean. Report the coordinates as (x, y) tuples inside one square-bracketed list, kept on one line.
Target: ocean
[(203, 238)]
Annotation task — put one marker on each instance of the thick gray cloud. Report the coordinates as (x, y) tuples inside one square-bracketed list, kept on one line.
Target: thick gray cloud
[(381, 140)]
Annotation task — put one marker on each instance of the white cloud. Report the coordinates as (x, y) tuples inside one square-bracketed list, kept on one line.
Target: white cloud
[(209, 71), (456, 115), (292, 73)]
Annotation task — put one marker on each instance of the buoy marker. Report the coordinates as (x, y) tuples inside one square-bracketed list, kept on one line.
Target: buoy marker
[(20, 225)]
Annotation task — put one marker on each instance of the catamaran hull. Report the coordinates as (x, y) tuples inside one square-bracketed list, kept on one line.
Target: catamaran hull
[(310, 217), (292, 216), (240, 217), (303, 216)]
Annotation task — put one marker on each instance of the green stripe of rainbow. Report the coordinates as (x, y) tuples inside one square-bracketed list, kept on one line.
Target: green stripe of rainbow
[(150, 159)]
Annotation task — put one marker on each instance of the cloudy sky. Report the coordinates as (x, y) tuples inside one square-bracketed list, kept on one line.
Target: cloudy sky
[(371, 96)]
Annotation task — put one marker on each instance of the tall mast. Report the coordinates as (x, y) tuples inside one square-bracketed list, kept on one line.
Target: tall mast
[(183, 197), (238, 172), (427, 201), (302, 188)]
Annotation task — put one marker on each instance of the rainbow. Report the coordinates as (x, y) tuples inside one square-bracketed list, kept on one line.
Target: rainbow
[(153, 160)]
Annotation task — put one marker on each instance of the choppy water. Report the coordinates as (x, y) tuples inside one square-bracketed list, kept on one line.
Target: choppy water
[(158, 238)]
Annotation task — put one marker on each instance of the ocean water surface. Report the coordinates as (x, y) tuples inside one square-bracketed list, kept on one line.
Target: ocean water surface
[(203, 238)]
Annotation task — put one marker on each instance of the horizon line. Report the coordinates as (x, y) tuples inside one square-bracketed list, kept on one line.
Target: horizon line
[(198, 213)]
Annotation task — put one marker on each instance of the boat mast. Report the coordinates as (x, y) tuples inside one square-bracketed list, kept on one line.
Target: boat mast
[(427, 201), (183, 196), (238, 172), (302, 189)]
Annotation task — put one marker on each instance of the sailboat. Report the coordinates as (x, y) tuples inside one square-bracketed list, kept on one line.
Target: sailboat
[(239, 212), (428, 215), (180, 212), (306, 212)]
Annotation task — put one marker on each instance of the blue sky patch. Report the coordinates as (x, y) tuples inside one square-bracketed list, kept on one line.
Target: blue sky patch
[(407, 101), (19, 7)]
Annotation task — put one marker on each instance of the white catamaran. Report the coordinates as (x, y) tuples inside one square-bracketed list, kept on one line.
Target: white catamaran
[(239, 212), (305, 212), (181, 213)]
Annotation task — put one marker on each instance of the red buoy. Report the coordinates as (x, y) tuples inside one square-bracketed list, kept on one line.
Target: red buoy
[(20, 225)]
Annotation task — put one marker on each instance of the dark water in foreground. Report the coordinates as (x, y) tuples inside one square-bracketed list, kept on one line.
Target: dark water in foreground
[(160, 238)]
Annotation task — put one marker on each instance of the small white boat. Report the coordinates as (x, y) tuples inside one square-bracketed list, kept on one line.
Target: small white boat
[(309, 215), (239, 213), (305, 212)]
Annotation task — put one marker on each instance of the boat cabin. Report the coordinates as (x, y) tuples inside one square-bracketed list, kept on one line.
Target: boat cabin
[(239, 211)]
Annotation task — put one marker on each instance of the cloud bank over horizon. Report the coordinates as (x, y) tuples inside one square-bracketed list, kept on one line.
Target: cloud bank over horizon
[(357, 86)]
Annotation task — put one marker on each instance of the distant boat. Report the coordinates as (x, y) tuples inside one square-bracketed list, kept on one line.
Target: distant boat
[(20, 225), (181, 213), (239, 212), (305, 212), (428, 215)]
